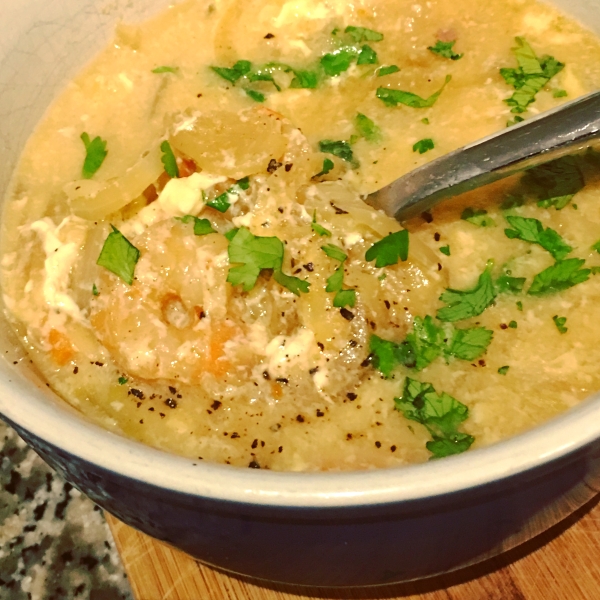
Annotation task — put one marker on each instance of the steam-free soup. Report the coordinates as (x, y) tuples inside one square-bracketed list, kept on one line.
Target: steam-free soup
[(188, 260)]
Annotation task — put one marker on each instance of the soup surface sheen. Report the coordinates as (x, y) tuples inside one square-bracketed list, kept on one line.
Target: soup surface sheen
[(188, 261)]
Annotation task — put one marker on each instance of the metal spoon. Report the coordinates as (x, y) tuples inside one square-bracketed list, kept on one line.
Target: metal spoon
[(568, 129)]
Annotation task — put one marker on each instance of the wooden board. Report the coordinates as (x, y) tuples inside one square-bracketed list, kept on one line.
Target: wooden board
[(561, 564)]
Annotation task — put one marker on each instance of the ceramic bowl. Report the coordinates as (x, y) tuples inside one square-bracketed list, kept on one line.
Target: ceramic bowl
[(337, 529)]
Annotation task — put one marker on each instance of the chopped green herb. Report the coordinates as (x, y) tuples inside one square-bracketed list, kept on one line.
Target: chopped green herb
[(256, 96), (305, 80), (514, 121), (337, 62), (362, 34), (560, 276), (382, 276), (463, 304), (334, 252), (560, 323), (596, 247), (513, 325), (530, 77), (244, 183), (319, 229), (221, 202), (441, 414), (445, 250), (327, 166), (389, 250), (345, 298), (123, 380), (477, 216), (555, 183), (423, 146), (367, 128), (293, 284), (168, 160), (394, 97), (166, 70), (512, 202), (532, 230), (595, 270), (95, 291), (503, 370), (382, 71), (339, 148), (426, 342), (559, 93), (425, 121), (95, 153), (445, 49), (510, 285), (241, 68), (336, 281), (119, 256), (367, 56), (519, 305), (252, 254), (201, 226), (262, 75)]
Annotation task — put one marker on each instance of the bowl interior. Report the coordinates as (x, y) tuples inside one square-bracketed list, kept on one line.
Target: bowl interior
[(43, 45)]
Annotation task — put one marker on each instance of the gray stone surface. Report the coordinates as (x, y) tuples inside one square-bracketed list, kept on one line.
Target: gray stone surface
[(54, 541)]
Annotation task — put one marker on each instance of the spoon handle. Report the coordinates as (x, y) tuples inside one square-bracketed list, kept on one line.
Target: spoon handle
[(567, 129)]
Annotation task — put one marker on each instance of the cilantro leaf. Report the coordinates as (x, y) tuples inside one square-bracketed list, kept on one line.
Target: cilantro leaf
[(503, 370), (562, 275), (469, 344), (477, 216), (560, 323), (119, 256), (252, 254), (367, 128), (345, 298), (382, 71), (305, 80), (463, 304), (336, 281), (386, 355), (509, 285), (294, 284), (428, 341), (123, 380), (445, 49), (168, 160), (514, 121), (530, 77), (423, 146), (201, 226), (334, 252), (319, 229), (394, 97), (559, 94), (221, 202), (339, 148), (555, 183), (243, 183), (95, 153), (532, 230), (367, 56), (95, 291), (337, 62), (389, 250), (327, 166), (256, 96), (441, 414), (262, 75), (239, 69), (445, 250), (596, 247), (166, 69), (362, 34)]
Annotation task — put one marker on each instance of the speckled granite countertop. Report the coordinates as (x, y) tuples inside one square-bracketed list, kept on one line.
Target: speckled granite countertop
[(54, 542)]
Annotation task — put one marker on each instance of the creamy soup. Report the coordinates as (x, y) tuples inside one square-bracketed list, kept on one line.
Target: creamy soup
[(188, 260)]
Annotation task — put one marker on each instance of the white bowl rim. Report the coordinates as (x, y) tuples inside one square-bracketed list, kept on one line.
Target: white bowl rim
[(28, 407)]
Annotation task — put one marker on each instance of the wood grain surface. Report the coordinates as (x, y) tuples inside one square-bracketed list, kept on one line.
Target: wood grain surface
[(561, 564)]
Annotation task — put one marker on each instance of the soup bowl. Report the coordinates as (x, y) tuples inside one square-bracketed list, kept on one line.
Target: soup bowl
[(319, 529)]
